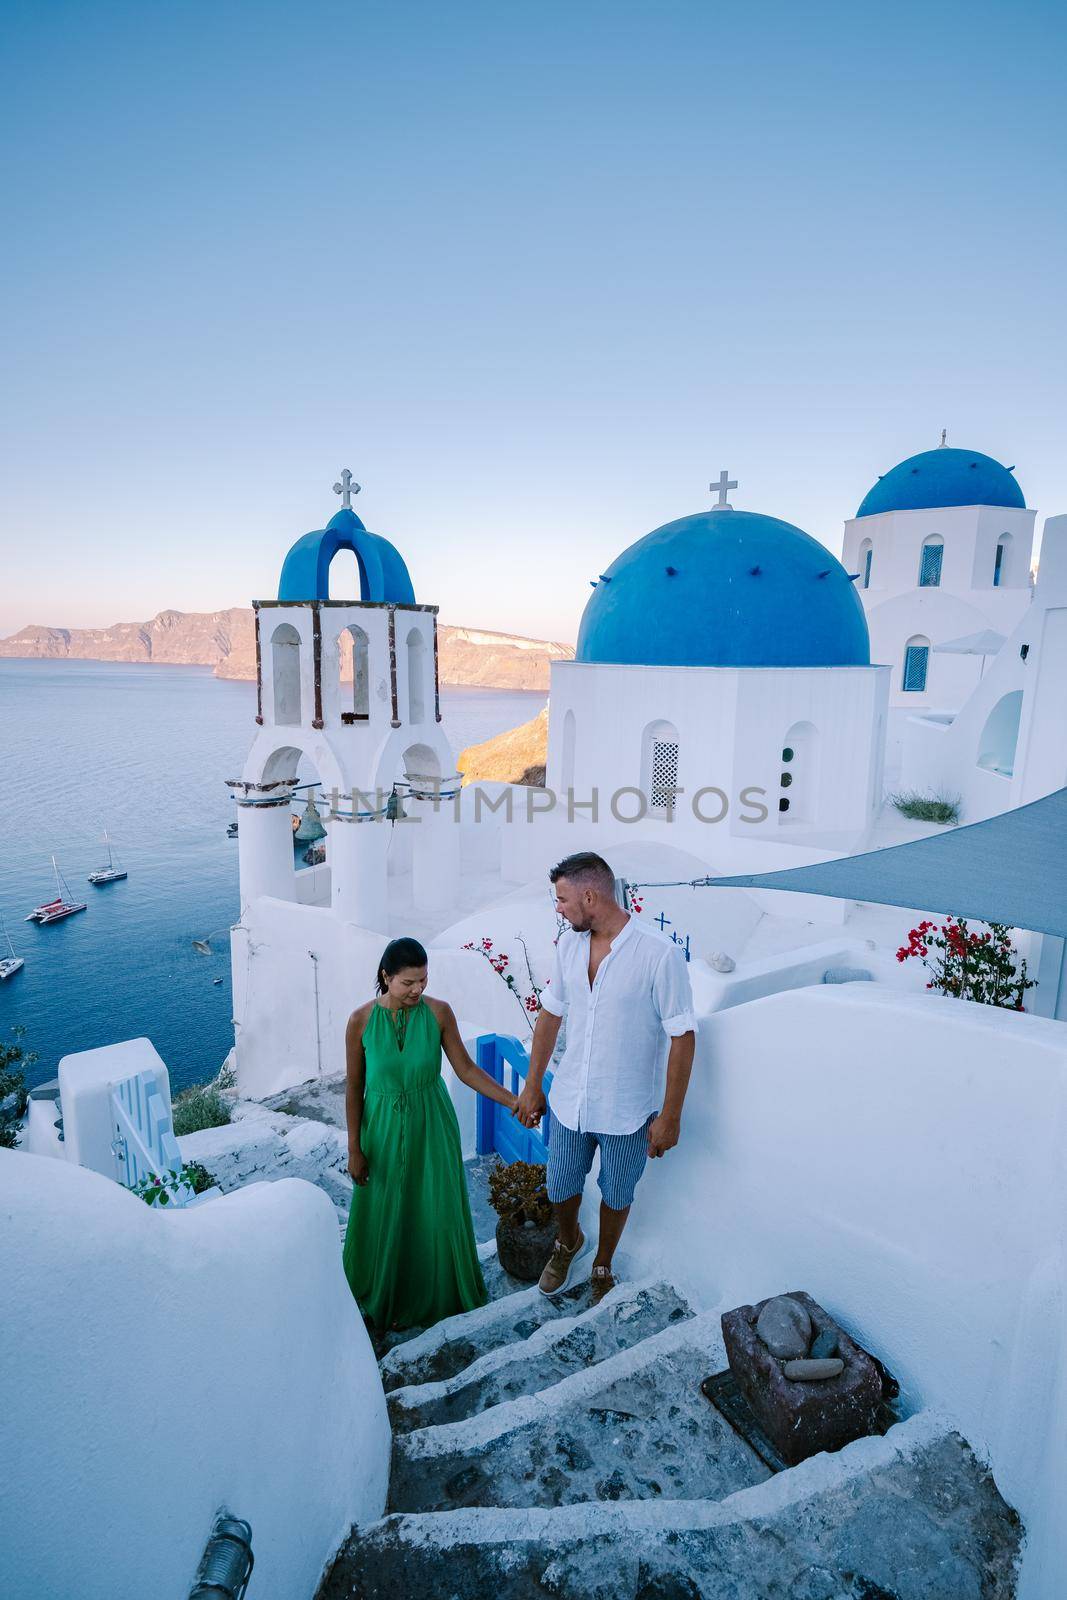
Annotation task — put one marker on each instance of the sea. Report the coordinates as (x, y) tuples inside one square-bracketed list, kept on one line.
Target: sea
[(142, 751)]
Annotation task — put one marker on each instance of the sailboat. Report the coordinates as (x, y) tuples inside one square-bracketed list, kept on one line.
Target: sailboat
[(62, 906), (111, 873), (11, 963)]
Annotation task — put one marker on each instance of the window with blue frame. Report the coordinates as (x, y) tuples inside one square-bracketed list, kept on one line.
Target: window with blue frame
[(916, 658), (868, 558), (998, 567), (930, 566)]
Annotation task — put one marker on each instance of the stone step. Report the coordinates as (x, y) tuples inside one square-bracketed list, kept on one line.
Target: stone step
[(911, 1516), (633, 1427), (557, 1348), (443, 1351)]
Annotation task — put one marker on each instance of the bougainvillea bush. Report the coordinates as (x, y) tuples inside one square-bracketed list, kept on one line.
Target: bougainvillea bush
[(969, 965)]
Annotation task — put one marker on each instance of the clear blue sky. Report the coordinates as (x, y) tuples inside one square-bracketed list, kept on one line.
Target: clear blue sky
[(535, 272)]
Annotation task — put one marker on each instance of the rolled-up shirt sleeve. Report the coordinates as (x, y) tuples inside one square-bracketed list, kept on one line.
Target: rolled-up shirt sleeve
[(672, 995), (554, 993)]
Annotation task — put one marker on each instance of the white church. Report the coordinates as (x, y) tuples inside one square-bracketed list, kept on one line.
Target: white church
[(739, 704)]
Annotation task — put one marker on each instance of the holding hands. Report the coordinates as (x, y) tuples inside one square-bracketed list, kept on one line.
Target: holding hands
[(530, 1107)]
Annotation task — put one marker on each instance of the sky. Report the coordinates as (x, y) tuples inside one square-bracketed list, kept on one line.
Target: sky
[(535, 272)]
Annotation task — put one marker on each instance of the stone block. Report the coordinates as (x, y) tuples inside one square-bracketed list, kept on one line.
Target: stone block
[(800, 1419)]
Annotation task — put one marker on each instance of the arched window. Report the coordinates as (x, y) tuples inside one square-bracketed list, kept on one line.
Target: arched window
[(798, 778), (916, 661), (930, 563), (866, 560), (1000, 560), (570, 729), (360, 672), (996, 747), (659, 766), (416, 646), (285, 664)]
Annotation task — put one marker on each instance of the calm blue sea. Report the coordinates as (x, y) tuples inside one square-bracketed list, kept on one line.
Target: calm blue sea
[(143, 751)]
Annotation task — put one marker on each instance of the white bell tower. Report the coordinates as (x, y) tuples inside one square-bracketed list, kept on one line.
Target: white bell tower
[(352, 685)]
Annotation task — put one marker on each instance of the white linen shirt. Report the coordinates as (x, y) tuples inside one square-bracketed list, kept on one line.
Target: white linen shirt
[(612, 1073)]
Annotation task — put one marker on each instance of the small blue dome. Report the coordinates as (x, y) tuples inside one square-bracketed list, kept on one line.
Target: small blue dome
[(943, 477), (383, 576), (725, 589)]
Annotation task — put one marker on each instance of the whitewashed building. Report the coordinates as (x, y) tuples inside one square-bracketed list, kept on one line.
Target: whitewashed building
[(941, 549)]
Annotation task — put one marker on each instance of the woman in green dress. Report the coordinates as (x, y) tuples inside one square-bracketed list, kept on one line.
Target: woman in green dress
[(409, 1254)]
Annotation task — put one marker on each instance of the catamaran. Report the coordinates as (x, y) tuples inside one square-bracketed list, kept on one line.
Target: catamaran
[(62, 906), (111, 873), (10, 963)]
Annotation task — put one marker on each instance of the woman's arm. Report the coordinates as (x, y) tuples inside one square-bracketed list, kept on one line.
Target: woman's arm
[(462, 1065), (355, 1079)]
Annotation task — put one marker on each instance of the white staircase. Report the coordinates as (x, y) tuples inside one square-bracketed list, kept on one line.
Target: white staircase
[(542, 1447)]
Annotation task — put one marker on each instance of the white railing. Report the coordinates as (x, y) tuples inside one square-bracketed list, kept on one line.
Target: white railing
[(144, 1141)]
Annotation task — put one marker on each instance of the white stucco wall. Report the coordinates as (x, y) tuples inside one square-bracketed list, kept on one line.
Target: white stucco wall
[(162, 1365), (949, 753), (902, 1158), (964, 602), (731, 727)]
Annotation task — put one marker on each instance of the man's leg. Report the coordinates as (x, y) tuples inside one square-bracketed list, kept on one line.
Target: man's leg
[(622, 1161), (567, 1221), (611, 1225)]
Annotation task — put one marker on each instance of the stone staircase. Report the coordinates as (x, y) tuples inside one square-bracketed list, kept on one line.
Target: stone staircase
[(544, 1447)]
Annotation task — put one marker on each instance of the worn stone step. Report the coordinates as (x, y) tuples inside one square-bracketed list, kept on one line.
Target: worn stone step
[(446, 1349), (630, 1313), (911, 1516), (635, 1427)]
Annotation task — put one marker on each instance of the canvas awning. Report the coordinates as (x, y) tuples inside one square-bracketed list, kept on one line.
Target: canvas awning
[(986, 642), (1011, 868)]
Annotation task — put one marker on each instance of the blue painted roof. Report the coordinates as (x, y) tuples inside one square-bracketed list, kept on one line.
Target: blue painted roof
[(725, 589), (383, 574), (943, 477)]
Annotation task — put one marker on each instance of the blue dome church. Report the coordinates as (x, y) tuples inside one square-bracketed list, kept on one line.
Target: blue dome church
[(723, 665), (942, 543), (725, 588)]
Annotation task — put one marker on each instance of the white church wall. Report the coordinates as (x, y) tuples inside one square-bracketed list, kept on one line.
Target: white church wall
[(900, 1157), (965, 601), (731, 727), (961, 753), (172, 1363), (299, 973)]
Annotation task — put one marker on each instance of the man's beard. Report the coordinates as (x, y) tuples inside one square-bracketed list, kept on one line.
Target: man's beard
[(580, 924)]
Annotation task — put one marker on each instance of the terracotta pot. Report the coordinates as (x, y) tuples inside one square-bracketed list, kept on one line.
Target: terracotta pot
[(523, 1248)]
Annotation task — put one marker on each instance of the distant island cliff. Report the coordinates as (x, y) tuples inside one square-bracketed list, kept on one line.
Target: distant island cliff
[(225, 641)]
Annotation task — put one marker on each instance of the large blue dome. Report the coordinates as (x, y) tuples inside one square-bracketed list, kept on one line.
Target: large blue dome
[(943, 477), (725, 589)]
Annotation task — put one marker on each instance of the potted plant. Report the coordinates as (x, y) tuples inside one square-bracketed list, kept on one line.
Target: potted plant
[(526, 1230)]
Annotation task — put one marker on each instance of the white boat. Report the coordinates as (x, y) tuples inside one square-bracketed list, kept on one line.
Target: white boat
[(10, 963), (111, 873), (64, 905)]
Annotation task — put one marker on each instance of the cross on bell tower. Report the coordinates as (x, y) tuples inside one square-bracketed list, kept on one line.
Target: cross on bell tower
[(724, 485), (346, 489)]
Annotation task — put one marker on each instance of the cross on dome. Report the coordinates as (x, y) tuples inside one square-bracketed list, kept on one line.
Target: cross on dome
[(724, 485), (346, 489)]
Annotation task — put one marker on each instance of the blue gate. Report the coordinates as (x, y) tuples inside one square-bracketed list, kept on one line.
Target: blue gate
[(498, 1130)]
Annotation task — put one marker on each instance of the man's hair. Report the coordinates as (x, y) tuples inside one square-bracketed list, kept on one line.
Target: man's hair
[(585, 870)]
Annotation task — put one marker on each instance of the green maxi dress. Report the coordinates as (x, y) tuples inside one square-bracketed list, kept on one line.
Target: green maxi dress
[(410, 1255)]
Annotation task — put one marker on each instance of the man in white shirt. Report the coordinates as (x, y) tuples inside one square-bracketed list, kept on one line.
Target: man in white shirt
[(621, 1084)]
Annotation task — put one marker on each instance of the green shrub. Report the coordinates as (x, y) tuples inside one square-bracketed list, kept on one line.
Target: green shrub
[(201, 1106), (928, 808), (13, 1097)]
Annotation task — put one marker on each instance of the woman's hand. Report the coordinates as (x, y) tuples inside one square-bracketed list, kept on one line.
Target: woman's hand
[(358, 1170)]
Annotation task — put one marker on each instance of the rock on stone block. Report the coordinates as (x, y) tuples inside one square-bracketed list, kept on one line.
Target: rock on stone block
[(801, 1419)]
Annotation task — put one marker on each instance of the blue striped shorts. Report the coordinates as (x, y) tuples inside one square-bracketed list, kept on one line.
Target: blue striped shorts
[(622, 1161)]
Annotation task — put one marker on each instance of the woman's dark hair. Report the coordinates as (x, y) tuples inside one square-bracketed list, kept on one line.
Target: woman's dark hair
[(398, 954)]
